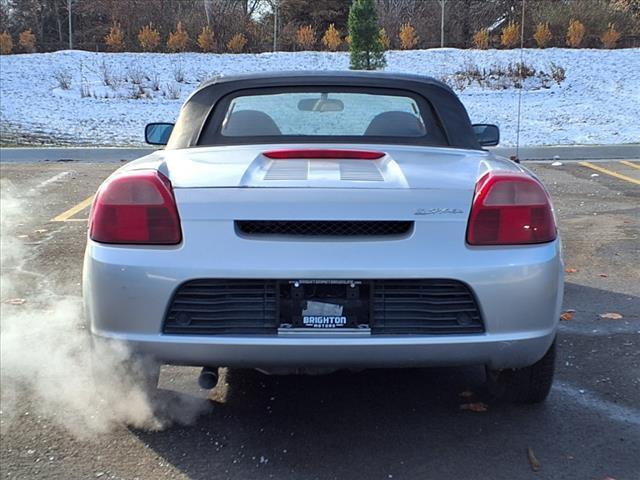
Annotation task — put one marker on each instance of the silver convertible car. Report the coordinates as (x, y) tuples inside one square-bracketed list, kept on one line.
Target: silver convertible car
[(305, 222)]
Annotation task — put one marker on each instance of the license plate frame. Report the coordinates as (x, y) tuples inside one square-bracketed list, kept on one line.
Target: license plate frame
[(324, 306)]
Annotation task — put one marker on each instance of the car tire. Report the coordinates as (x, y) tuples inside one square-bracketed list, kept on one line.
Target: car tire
[(525, 385)]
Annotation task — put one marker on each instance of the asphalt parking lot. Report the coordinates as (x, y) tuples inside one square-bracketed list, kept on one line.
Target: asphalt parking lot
[(374, 424)]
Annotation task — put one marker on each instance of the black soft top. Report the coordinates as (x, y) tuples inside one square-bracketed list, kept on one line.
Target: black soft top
[(446, 105)]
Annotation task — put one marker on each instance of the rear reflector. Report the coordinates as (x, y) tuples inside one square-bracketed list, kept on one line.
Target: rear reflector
[(136, 207), (510, 209), (323, 153)]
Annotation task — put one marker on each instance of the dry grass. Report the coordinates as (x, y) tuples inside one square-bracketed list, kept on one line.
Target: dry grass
[(63, 78), (501, 77)]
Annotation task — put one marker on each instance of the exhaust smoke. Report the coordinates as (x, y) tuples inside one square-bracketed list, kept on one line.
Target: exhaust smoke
[(46, 354)]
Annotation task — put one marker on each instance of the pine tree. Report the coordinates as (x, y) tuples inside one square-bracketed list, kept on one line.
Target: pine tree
[(149, 38), (6, 43), (27, 41), (609, 38), (543, 35), (481, 39), (366, 49), (408, 37), (306, 37), (509, 36), (178, 40), (115, 38), (575, 33), (237, 43), (206, 40), (331, 38), (385, 41)]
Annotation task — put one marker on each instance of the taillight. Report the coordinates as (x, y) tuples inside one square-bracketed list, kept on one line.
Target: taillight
[(330, 153), (136, 207), (510, 209)]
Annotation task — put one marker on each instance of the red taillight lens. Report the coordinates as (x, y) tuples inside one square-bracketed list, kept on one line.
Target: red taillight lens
[(137, 207), (510, 209), (323, 153)]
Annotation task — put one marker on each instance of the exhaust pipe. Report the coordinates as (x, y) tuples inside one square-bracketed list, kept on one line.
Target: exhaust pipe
[(208, 378)]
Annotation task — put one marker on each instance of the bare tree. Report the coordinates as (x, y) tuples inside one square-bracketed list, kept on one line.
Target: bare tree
[(91, 19), (442, 3), (207, 10), (420, 14)]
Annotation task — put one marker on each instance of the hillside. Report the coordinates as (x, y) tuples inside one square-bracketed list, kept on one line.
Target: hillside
[(110, 97)]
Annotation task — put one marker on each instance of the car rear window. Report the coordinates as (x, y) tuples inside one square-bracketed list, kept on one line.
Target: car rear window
[(322, 115)]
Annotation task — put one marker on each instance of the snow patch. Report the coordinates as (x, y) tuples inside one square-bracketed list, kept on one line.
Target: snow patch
[(113, 95)]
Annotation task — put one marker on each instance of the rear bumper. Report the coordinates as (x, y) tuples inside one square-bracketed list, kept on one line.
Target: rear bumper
[(496, 351), (519, 290)]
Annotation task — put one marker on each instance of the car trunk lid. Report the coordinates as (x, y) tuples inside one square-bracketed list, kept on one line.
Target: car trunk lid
[(404, 183), (393, 167)]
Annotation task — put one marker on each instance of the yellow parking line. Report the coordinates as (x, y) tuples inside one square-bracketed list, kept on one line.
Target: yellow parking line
[(631, 164), (66, 216), (609, 172)]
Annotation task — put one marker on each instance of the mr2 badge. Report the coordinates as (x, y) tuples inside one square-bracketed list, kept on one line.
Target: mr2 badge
[(438, 211)]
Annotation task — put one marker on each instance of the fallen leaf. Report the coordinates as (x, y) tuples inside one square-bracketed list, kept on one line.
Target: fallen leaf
[(570, 270), (475, 407), (15, 301), (611, 316), (533, 461), (466, 394), (567, 315), (41, 230), (604, 275)]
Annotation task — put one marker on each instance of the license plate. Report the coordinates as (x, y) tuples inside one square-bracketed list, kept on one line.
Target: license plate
[(323, 315), (324, 304)]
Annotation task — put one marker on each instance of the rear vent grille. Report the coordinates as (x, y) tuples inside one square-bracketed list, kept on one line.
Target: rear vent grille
[(390, 307), (345, 170), (424, 307), (223, 306), (288, 170), (324, 228), (359, 171)]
